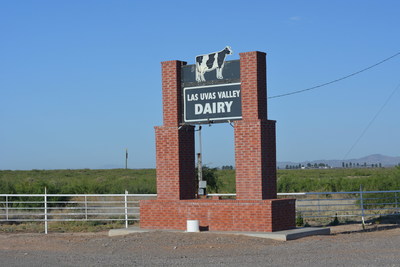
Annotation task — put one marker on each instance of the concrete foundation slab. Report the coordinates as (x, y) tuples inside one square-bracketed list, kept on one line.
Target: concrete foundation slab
[(289, 234), (279, 235)]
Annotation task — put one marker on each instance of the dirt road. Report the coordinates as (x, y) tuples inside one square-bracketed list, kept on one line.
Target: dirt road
[(377, 248)]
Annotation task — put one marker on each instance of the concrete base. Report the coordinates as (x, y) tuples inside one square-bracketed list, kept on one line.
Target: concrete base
[(279, 235)]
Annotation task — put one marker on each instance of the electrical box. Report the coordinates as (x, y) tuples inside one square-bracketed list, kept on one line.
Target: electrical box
[(202, 188)]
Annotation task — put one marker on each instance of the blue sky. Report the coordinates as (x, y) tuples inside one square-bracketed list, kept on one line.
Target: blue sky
[(80, 81)]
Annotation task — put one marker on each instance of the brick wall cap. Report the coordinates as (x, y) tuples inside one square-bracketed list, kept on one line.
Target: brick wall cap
[(252, 52), (173, 62)]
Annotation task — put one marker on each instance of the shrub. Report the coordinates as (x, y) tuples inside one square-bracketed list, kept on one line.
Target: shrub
[(299, 219), (335, 221)]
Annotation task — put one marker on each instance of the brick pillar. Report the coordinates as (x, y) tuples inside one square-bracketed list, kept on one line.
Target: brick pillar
[(175, 149), (255, 141)]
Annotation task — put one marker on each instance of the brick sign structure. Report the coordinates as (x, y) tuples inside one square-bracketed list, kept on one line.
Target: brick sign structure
[(256, 207)]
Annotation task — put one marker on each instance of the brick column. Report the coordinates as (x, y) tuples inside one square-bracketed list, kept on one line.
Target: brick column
[(175, 149), (255, 141)]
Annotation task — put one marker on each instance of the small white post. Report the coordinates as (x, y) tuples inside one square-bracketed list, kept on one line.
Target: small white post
[(45, 210), (126, 208), (362, 207), (192, 226)]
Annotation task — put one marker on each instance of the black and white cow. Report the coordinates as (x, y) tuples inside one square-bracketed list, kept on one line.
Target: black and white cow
[(209, 62)]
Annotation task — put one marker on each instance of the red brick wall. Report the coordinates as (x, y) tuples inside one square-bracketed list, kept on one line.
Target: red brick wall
[(172, 92), (255, 155), (253, 78), (255, 141), (256, 207), (219, 215), (175, 148), (175, 162)]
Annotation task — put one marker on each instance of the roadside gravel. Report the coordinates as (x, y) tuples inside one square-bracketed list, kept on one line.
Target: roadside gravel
[(376, 248)]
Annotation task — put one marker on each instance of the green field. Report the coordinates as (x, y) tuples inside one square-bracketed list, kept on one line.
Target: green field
[(338, 180), (112, 181), (116, 181)]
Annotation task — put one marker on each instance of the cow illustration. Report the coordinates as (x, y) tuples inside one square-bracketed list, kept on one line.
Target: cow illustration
[(210, 62)]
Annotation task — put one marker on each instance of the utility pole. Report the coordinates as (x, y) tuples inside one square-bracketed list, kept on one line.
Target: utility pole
[(126, 159), (199, 159), (202, 184)]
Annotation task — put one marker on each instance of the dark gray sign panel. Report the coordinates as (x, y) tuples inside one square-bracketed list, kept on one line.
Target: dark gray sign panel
[(214, 103), (230, 74)]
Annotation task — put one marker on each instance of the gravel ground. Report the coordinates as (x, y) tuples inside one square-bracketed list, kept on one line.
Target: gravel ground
[(375, 248)]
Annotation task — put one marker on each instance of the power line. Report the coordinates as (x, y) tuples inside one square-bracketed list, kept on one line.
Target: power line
[(337, 80), (372, 121)]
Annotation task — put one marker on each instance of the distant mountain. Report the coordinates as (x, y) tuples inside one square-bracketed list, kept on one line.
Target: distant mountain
[(385, 161)]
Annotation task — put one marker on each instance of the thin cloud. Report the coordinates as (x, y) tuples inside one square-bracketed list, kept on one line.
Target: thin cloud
[(295, 18)]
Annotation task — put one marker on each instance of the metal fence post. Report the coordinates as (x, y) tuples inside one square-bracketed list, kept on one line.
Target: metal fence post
[(7, 208), (126, 208), (395, 198), (86, 213), (45, 210), (319, 207), (362, 207)]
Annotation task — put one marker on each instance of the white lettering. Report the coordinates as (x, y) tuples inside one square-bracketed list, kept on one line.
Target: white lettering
[(228, 94), (221, 107), (208, 96), (228, 106), (198, 109), (207, 109), (212, 108)]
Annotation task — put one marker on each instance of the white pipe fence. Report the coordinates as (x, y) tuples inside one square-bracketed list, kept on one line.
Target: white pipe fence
[(70, 207), (312, 206), (346, 205)]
